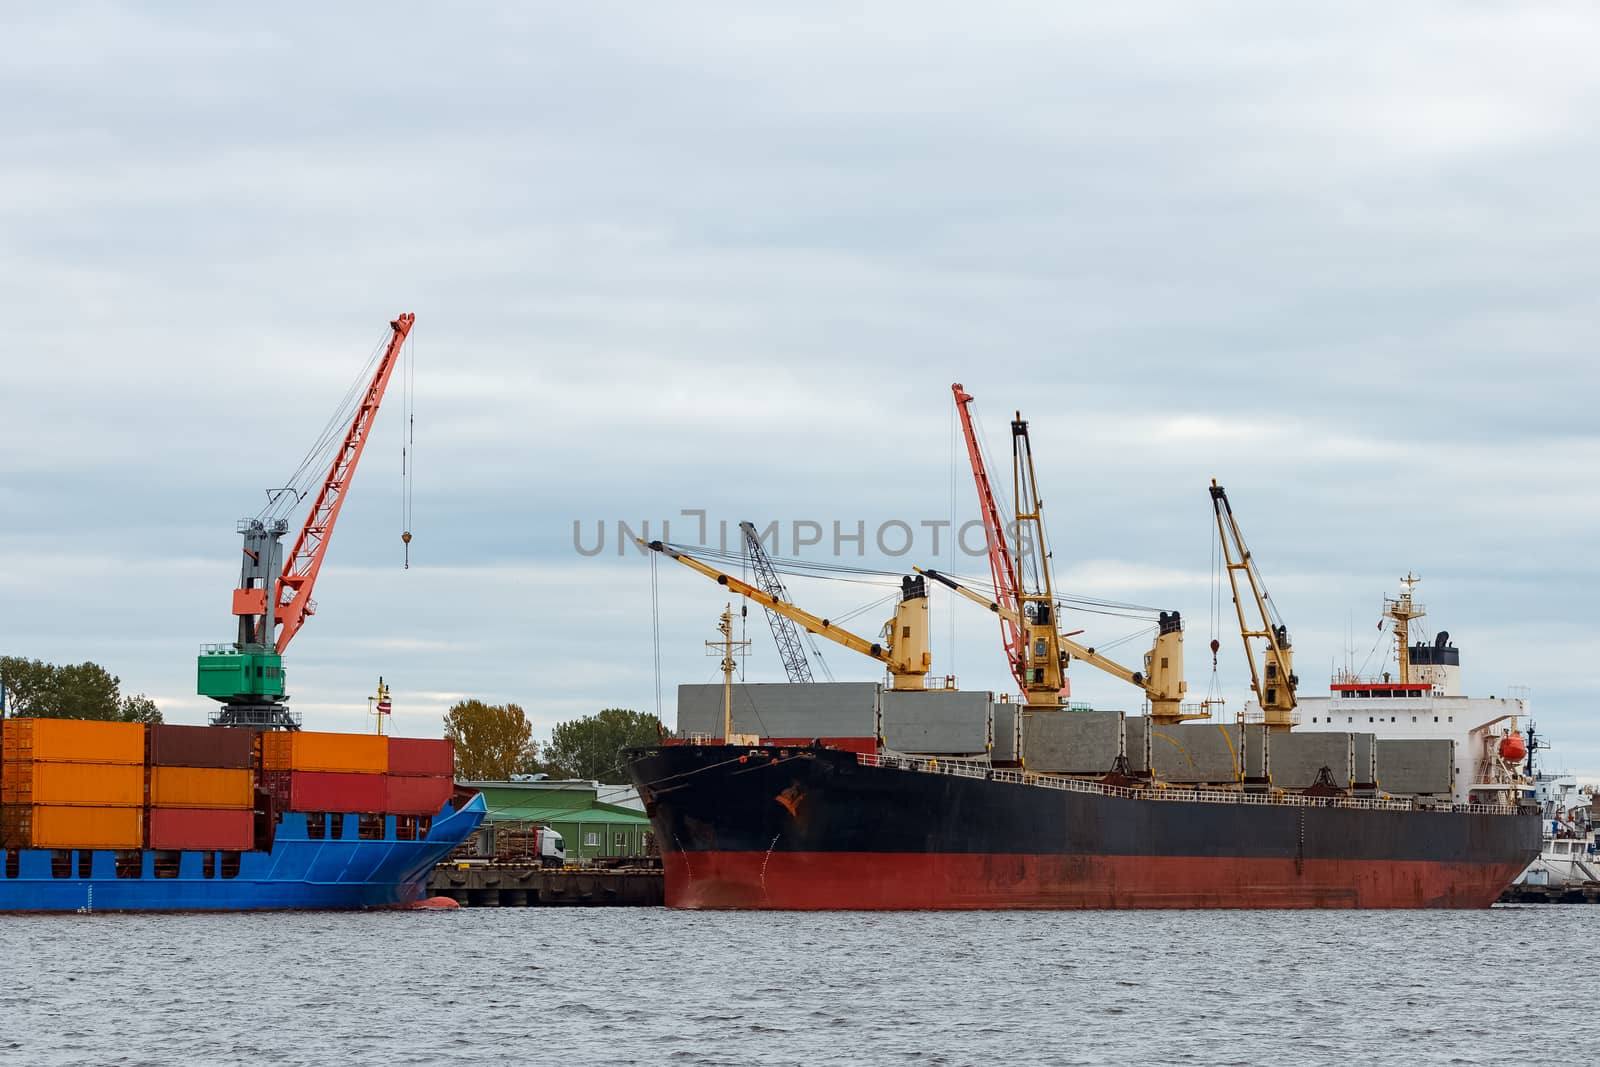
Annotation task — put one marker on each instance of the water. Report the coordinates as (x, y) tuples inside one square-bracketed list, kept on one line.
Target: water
[(650, 986)]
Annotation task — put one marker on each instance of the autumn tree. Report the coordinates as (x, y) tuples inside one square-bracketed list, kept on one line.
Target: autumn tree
[(591, 747), (493, 741), (38, 690)]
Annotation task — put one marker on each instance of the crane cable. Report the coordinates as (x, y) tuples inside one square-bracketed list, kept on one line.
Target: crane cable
[(655, 628), (408, 442), (315, 461), (950, 653), (1214, 692)]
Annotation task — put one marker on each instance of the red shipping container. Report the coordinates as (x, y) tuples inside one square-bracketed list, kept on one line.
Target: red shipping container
[(336, 791), (422, 756), (411, 795), (228, 747), (176, 829)]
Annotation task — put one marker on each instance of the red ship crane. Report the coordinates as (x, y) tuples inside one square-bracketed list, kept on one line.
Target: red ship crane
[(273, 598), (1001, 569)]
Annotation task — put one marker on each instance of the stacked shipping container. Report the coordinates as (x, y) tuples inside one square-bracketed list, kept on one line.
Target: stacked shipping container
[(358, 772), (201, 788), (66, 783), (76, 784), (421, 776), (325, 772)]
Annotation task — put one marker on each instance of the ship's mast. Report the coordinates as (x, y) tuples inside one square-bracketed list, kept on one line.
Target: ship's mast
[(726, 647), (1402, 609)]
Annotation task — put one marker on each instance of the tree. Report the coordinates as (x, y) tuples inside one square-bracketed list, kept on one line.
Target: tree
[(591, 747), (493, 741), (39, 690)]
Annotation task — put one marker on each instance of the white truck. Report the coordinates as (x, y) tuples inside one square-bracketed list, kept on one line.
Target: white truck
[(552, 850)]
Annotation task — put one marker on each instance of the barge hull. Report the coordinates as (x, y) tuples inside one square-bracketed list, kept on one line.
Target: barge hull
[(299, 872)]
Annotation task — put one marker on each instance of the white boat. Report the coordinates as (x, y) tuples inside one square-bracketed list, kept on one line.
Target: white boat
[(1571, 853)]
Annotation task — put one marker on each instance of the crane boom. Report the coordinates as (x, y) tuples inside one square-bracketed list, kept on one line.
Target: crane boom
[(790, 650), (1001, 570), (905, 647), (305, 560), (1274, 688), (1160, 682)]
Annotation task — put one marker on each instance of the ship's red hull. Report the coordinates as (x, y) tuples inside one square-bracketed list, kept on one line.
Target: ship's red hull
[(922, 881)]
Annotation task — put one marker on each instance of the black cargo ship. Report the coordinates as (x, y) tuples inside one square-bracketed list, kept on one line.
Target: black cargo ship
[(815, 827)]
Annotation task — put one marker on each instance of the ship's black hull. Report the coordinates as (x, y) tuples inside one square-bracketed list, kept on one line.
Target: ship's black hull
[(816, 828)]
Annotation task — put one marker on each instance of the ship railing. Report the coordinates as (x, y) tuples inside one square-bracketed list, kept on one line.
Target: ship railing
[(971, 768)]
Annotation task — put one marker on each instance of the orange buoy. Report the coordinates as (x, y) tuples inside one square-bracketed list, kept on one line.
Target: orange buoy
[(1513, 749)]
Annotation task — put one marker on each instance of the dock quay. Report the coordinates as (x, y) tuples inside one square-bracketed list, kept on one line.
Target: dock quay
[(523, 885)]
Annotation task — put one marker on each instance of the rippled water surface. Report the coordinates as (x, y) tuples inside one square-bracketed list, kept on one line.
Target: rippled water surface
[(654, 986)]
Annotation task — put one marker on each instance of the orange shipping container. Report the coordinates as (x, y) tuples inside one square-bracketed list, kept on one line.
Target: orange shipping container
[(81, 784), (302, 750), (52, 826), (201, 787), (72, 740)]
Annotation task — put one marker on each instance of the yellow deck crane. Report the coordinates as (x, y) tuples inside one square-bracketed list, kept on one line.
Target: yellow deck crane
[(1161, 679), (1041, 652), (904, 648), (1027, 599), (1274, 687)]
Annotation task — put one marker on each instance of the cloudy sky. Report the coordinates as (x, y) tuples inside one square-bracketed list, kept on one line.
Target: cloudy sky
[(707, 257)]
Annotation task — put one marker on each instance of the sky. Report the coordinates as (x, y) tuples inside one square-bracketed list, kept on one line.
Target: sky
[(724, 258)]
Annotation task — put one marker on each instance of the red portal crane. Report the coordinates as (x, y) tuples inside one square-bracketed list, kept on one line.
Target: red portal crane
[(273, 598)]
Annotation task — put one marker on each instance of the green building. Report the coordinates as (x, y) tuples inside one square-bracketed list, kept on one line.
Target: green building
[(590, 828)]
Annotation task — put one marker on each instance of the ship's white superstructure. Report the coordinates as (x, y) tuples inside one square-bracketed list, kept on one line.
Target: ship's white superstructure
[(1422, 700)]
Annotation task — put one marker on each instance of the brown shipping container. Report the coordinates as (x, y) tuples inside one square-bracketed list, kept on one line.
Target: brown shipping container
[(201, 787), (422, 756), (334, 791), (82, 784), (201, 746), (191, 828), (415, 795), (54, 826), (72, 740), (342, 753)]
